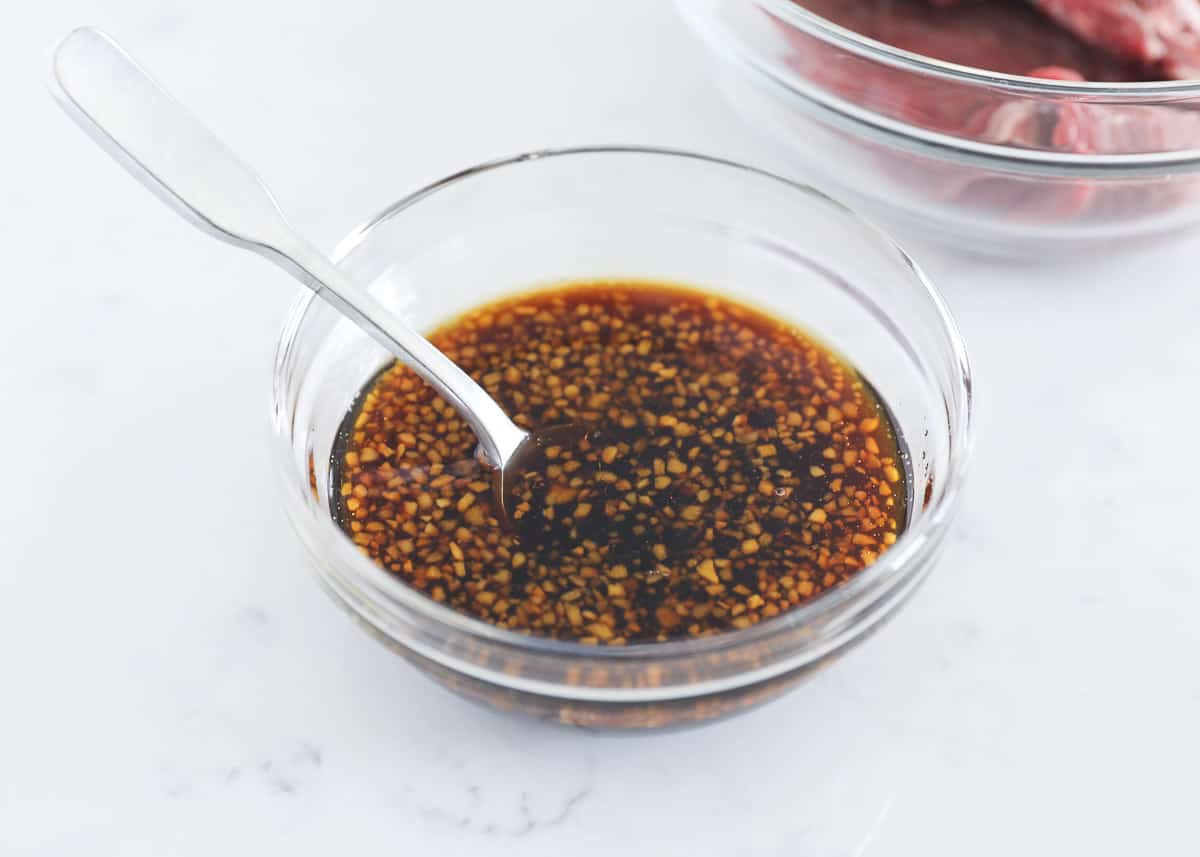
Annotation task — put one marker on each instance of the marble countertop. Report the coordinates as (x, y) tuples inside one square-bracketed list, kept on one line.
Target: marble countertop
[(174, 681)]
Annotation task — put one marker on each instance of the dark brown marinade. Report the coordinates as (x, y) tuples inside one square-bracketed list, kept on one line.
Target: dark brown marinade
[(733, 468)]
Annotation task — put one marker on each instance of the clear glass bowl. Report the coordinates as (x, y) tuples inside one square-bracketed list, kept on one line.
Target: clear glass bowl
[(984, 161), (628, 213)]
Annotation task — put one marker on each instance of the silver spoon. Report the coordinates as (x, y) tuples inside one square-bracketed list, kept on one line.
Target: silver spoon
[(166, 148)]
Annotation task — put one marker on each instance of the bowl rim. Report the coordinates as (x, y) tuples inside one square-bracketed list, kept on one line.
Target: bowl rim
[(708, 25), (913, 549)]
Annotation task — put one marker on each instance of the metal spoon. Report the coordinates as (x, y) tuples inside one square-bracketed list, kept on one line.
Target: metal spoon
[(166, 148)]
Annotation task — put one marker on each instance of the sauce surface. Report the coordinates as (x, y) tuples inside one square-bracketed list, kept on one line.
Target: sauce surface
[(732, 468)]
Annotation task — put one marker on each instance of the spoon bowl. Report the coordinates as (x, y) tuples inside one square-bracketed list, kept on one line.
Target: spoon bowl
[(526, 467)]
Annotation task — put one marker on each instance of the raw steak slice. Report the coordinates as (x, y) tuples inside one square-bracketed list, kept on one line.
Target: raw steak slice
[(1008, 36), (1165, 33)]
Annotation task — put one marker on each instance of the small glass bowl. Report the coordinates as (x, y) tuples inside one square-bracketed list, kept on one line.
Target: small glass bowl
[(984, 161), (587, 214)]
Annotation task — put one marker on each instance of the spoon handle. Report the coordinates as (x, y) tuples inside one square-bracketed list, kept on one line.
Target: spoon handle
[(166, 148)]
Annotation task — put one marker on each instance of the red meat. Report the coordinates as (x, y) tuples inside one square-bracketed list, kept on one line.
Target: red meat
[(1165, 33), (1007, 36), (1000, 35)]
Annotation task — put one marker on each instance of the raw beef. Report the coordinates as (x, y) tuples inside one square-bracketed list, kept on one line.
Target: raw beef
[(1000, 35), (1008, 36), (1163, 33)]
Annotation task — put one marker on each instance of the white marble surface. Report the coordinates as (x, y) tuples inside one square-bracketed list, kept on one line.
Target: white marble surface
[(175, 683)]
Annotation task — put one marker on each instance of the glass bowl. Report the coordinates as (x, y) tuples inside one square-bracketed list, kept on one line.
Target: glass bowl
[(984, 161), (647, 214)]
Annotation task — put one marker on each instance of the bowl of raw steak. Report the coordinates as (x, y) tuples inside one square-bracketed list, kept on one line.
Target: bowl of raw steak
[(1013, 127)]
